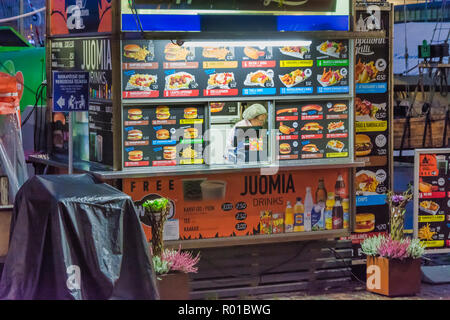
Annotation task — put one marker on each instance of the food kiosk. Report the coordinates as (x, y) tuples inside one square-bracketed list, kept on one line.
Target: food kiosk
[(240, 113)]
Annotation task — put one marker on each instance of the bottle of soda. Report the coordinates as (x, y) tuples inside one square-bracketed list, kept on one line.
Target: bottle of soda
[(338, 215), (339, 188), (321, 192)]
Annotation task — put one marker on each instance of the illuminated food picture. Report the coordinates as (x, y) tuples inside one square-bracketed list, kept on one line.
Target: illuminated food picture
[(134, 135), (425, 187), (220, 80), (219, 53), (287, 110), (339, 107), (179, 80), (141, 81), (425, 233), (365, 72), (285, 129), (260, 78), (312, 107), (169, 153), (174, 52), (216, 106), (310, 147), (135, 114), (162, 112), (135, 155), (162, 134), (295, 51), (285, 148), (336, 126), (312, 126), (136, 52), (335, 145), (332, 48), (429, 206), (253, 53), (366, 110), (190, 113), (293, 78), (363, 145), (330, 77), (190, 133), (366, 181), (189, 153)]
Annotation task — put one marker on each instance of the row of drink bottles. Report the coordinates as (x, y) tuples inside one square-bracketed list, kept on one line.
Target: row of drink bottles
[(331, 210)]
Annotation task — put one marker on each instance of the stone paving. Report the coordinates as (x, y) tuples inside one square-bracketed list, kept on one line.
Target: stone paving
[(358, 292)]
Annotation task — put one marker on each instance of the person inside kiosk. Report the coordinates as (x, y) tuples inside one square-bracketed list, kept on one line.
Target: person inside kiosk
[(241, 141)]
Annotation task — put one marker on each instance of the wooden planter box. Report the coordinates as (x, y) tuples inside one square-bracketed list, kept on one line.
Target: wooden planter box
[(174, 286), (393, 277)]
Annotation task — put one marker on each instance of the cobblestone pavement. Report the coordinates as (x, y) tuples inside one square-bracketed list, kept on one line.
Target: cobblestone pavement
[(358, 292)]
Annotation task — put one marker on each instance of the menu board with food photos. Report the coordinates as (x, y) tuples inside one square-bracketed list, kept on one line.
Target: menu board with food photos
[(373, 128), (161, 69), (163, 136), (432, 201), (312, 130)]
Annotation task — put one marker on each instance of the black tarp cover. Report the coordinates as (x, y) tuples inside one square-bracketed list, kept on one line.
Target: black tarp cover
[(73, 237)]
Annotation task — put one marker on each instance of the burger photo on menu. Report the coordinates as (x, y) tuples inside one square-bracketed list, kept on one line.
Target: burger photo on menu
[(366, 182), (162, 112), (330, 77), (285, 148), (255, 53), (222, 80), (174, 52), (141, 82), (136, 52), (190, 113), (219, 53), (135, 155), (336, 126), (162, 134), (134, 135), (311, 126), (260, 78), (216, 106), (310, 147), (363, 145), (332, 48), (179, 80), (295, 51), (365, 72), (190, 133), (335, 145), (366, 110), (295, 77), (169, 153), (365, 222), (134, 114)]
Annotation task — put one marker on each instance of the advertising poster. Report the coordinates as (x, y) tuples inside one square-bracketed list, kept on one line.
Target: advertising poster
[(240, 204), (372, 109), (80, 16), (162, 69), (313, 130), (434, 200), (94, 56), (157, 136)]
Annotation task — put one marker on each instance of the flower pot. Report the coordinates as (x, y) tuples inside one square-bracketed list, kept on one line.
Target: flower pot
[(174, 286), (393, 277)]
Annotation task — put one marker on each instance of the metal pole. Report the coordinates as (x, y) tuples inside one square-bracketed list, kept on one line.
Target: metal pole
[(21, 19), (70, 143)]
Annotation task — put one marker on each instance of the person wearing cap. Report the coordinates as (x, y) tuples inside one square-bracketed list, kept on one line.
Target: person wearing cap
[(253, 116)]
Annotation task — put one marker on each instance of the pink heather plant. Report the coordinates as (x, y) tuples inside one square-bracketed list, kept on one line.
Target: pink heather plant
[(394, 249), (181, 261)]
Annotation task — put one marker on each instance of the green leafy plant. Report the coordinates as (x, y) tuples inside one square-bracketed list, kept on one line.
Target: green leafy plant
[(157, 211), (160, 266), (416, 249), (370, 245), (156, 205), (386, 247)]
